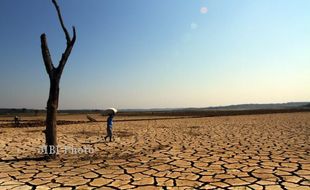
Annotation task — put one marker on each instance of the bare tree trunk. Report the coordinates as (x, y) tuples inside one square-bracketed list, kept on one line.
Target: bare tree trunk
[(54, 75), (51, 118)]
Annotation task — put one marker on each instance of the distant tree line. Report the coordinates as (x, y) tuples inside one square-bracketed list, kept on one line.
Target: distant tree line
[(12, 111)]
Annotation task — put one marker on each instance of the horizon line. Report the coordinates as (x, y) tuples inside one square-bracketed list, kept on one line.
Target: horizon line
[(171, 108)]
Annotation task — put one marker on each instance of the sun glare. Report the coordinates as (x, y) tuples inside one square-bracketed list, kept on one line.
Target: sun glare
[(203, 10)]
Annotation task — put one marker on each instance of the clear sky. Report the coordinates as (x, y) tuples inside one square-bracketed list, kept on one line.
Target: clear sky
[(157, 53)]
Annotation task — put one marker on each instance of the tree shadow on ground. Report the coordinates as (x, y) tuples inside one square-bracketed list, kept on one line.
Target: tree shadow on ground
[(40, 158)]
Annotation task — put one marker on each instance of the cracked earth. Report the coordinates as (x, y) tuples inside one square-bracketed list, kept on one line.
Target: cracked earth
[(269, 151)]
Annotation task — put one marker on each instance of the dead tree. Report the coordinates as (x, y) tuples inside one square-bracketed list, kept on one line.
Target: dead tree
[(54, 74), (91, 119)]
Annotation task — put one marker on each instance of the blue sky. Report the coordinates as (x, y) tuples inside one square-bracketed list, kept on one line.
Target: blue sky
[(157, 53)]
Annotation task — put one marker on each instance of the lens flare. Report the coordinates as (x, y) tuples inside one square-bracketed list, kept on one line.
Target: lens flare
[(203, 10)]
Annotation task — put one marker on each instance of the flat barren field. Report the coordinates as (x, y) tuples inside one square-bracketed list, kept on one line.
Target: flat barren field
[(270, 151)]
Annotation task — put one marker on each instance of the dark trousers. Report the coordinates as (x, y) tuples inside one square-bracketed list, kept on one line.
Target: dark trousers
[(109, 133)]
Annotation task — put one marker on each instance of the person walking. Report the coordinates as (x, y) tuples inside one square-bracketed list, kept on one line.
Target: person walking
[(112, 112)]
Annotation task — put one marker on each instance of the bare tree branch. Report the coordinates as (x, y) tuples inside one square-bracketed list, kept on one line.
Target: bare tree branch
[(61, 22), (74, 36), (64, 59), (70, 42), (66, 54), (46, 55)]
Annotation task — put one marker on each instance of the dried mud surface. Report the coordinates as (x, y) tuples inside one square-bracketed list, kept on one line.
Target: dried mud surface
[(233, 152)]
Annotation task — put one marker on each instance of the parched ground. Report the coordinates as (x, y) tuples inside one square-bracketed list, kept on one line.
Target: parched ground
[(236, 152)]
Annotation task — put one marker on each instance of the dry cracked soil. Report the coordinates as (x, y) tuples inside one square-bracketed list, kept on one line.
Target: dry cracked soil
[(233, 152)]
